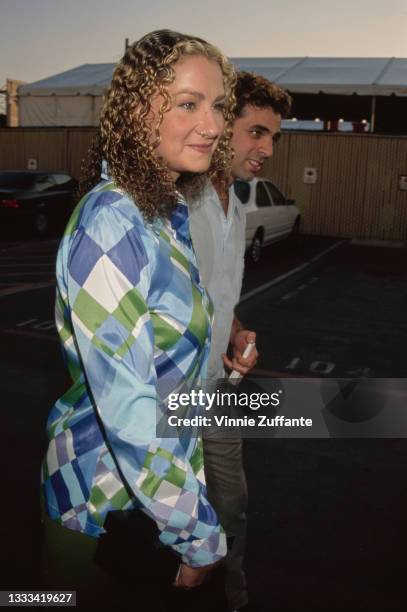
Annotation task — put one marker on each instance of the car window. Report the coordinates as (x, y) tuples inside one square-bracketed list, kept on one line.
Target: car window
[(44, 182), (62, 180), (242, 190), (276, 195), (16, 180), (262, 197)]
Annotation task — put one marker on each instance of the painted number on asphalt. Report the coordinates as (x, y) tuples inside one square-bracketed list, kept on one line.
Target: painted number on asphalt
[(326, 367), (37, 324)]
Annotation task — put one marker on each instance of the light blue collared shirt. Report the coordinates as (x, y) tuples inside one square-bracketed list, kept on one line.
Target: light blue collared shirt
[(219, 243)]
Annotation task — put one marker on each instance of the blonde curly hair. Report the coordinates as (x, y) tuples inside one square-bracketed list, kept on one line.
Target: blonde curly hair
[(124, 139)]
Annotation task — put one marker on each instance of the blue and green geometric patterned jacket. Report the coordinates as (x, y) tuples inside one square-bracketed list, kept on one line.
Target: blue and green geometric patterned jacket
[(135, 324)]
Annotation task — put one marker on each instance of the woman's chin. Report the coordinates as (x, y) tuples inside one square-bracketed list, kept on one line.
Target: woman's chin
[(199, 168)]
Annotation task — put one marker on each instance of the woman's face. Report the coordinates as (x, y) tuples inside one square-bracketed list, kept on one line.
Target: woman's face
[(190, 130)]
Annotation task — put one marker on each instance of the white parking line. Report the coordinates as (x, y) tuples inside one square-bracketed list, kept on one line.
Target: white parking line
[(289, 295), (11, 248), (30, 334), (296, 291), (26, 322), (25, 257), (279, 279), (20, 274), (28, 287), (24, 266)]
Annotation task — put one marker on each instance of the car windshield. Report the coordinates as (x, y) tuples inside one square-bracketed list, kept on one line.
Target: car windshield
[(242, 190), (278, 198), (262, 197), (16, 180)]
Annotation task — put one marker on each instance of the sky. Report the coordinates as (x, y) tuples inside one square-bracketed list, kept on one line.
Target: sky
[(40, 38)]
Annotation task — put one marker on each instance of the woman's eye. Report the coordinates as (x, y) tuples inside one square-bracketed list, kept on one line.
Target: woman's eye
[(188, 105), (256, 134)]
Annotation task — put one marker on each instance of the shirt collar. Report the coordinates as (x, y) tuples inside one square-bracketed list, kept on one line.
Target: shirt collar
[(210, 193), (104, 173), (236, 203), (179, 220)]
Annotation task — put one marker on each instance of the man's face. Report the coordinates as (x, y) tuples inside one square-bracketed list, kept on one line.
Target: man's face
[(254, 134)]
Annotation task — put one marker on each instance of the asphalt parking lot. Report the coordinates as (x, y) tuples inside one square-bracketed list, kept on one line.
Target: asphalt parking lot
[(327, 517), (342, 316)]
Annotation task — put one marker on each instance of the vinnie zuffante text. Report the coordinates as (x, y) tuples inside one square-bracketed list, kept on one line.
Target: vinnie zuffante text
[(219, 399)]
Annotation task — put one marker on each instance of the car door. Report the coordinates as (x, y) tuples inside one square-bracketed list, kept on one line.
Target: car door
[(282, 217), (243, 191), (57, 191), (44, 189), (268, 212), (65, 188)]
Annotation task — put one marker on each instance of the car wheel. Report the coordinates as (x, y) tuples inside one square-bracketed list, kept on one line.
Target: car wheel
[(41, 224), (255, 249)]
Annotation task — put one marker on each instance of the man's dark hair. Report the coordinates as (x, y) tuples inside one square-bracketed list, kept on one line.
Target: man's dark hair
[(254, 90)]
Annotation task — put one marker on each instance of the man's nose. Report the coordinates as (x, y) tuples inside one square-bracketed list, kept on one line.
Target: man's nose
[(266, 147)]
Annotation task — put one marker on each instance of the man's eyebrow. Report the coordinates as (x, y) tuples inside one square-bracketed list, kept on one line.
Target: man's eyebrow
[(260, 128)]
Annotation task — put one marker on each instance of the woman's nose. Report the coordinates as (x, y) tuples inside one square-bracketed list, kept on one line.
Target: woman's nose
[(211, 125)]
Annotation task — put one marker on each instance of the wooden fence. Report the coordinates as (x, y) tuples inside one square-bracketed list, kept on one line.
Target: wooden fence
[(53, 148), (356, 194)]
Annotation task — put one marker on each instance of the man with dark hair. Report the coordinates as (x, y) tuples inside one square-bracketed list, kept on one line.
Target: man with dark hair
[(254, 90), (217, 223), (260, 106)]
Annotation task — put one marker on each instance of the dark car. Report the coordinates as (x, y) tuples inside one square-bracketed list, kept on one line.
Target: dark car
[(40, 201)]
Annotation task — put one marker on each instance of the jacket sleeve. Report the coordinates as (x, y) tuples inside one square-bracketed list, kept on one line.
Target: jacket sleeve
[(109, 270)]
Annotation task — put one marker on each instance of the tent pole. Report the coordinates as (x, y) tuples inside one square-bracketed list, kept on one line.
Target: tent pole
[(373, 114)]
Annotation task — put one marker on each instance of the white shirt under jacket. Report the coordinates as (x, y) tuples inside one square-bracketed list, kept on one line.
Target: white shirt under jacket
[(219, 243)]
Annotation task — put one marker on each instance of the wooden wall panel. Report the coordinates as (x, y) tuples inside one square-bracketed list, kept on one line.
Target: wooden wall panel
[(356, 194), (79, 141), (49, 148), (53, 148), (11, 149)]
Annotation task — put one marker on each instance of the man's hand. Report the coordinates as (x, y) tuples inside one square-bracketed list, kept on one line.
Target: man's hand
[(239, 342), (189, 577)]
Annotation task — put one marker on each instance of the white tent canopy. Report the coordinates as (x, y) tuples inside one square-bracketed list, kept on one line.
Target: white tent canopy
[(88, 79), (331, 75), (71, 98), (74, 97)]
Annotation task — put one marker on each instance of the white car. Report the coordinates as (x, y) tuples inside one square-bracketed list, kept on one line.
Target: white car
[(269, 215)]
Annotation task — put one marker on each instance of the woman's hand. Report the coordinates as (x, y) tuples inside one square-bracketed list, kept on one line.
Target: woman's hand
[(189, 577)]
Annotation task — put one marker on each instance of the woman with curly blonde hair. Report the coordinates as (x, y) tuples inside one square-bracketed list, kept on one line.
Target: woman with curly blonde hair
[(129, 136), (132, 314)]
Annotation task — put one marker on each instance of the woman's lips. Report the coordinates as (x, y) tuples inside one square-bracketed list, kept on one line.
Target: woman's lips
[(202, 148)]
